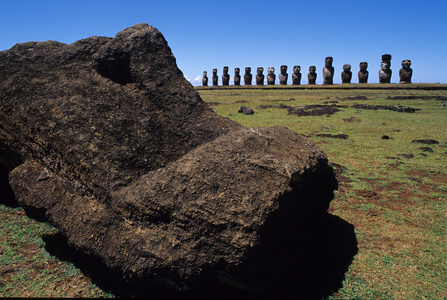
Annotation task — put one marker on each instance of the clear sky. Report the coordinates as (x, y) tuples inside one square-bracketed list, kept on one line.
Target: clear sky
[(211, 34)]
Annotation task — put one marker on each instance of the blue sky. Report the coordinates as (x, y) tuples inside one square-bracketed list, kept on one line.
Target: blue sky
[(211, 34)]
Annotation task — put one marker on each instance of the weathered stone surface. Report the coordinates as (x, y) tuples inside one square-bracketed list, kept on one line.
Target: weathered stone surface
[(260, 76), (237, 76), (312, 75), (406, 72), (111, 143), (248, 77), (225, 77), (346, 75), (296, 76), (328, 71), (363, 73), (271, 76)]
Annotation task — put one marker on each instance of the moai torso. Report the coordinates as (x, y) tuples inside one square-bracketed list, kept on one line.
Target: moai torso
[(248, 77), (260, 76), (215, 78), (271, 77), (328, 71), (283, 76), (385, 69), (406, 72), (296, 76), (237, 76), (363, 74), (312, 76), (205, 78), (346, 75), (225, 77)]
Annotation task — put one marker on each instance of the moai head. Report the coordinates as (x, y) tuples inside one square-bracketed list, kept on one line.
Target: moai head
[(385, 65), (328, 62), (283, 69), (214, 72), (406, 63), (363, 66), (347, 68), (237, 71), (247, 70), (260, 70), (312, 69), (296, 69), (387, 57), (205, 73), (225, 70), (271, 70)]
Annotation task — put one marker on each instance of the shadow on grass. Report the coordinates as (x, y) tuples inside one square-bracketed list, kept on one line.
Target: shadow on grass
[(327, 245)]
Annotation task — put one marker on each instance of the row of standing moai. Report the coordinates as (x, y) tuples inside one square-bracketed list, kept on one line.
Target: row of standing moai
[(328, 74)]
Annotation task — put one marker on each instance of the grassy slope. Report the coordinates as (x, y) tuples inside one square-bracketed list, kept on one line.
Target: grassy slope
[(397, 204)]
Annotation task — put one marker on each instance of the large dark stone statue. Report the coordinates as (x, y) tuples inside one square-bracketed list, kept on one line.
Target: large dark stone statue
[(296, 76), (205, 78), (225, 77), (107, 140), (283, 76), (346, 75), (237, 76), (215, 78), (312, 76), (328, 71), (259, 76), (406, 72), (385, 69), (271, 77), (248, 77), (363, 73)]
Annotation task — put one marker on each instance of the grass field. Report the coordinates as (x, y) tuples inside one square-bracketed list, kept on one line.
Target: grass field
[(393, 190)]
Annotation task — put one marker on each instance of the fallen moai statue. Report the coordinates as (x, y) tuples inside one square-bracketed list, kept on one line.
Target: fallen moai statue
[(107, 140)]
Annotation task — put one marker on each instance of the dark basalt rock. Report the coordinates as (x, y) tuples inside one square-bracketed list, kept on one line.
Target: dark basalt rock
[(107, 140)]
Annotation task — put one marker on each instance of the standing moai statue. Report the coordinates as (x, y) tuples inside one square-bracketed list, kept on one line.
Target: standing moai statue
[(328, 71), (225, 77), (215, 78), (346, 75), (406, 72), (271, 77), (296, 76), (237, 76), (260, 76), (385, 69), (283, 76), (248, 77), (312, 76), (363, 74), (205, 78)]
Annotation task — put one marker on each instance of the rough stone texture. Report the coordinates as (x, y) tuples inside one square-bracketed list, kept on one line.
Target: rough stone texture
[(296, 76), (205, 78), (328, 71), (363, 73), (260, 76), (246, 110), (312, 75), (108, 141), (248, 77), (215, 78), (271, 76), (237, 76), (385, 72), (346, 75), (406, 72), (225, 77), (283, 76)]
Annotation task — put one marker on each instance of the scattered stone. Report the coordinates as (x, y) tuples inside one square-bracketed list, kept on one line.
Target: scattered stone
[(426, 141), (406, 155), (246, 110), (426, 149), (336, 136), (398, 108), (306, 111), (385, 137)]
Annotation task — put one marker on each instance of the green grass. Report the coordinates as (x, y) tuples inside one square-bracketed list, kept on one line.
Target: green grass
[(401, 230), (398, 205)]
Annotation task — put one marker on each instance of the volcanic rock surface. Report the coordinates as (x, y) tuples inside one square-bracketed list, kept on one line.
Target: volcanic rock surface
[(107, 140)]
